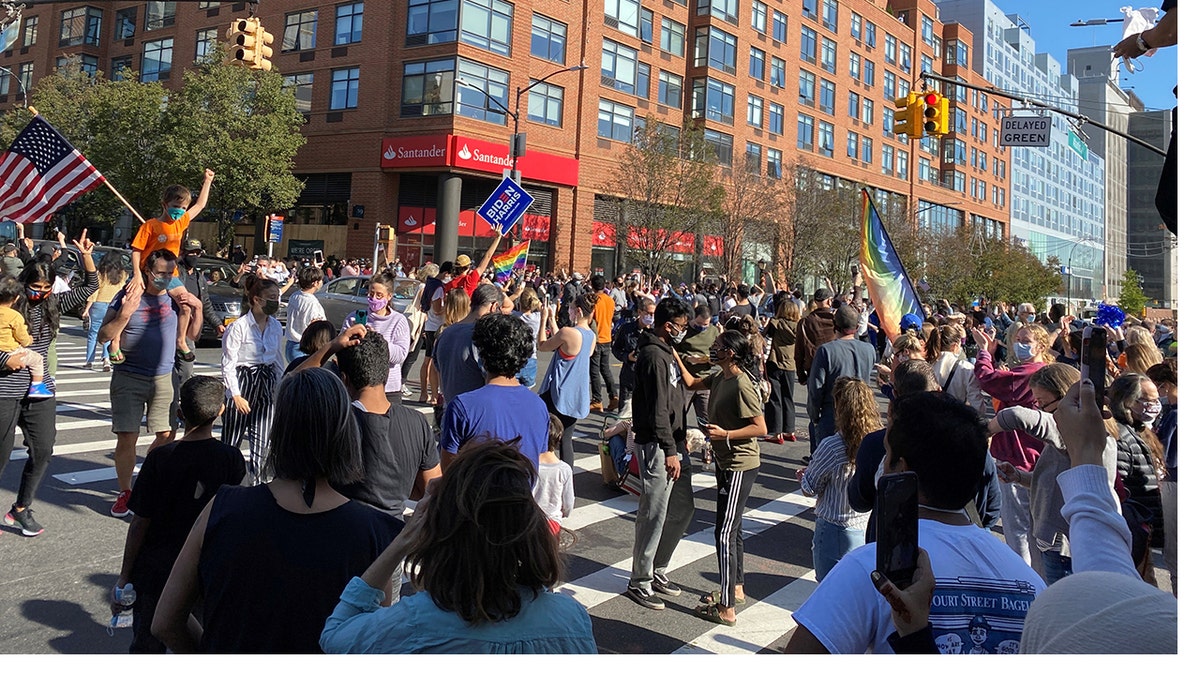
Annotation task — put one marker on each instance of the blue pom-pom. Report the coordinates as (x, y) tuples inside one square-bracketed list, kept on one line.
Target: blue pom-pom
[(1110, 315)]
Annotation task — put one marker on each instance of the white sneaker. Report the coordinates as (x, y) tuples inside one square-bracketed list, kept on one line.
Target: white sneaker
[(405, 391)]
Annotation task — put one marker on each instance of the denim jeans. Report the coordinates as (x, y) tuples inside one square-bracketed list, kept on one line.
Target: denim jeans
[(1056, 566), (664, 512), (1015, 516), (1169, 490), (528, 374), (95, 319), (830, 543)]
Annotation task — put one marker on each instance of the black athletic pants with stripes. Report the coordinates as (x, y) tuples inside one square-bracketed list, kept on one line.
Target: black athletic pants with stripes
[(258, 388), (733, 489)]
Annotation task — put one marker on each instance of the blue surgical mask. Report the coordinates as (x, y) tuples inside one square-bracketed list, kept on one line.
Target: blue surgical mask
[(1023, 351), (175, 213), (160, 283)]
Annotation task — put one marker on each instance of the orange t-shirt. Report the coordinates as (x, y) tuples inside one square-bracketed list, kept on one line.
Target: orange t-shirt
[(154, 234), (605, 307)]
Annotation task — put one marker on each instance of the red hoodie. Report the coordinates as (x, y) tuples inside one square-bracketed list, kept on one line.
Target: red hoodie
[(1010, 388)]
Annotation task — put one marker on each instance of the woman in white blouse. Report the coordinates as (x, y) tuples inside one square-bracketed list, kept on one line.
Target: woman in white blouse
[(252, 365)]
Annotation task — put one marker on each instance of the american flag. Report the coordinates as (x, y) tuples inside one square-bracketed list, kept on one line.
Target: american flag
[(41, 173)]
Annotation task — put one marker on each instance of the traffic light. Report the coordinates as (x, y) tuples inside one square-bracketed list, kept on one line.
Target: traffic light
[(908, 116), (249, 44), (935, 115)]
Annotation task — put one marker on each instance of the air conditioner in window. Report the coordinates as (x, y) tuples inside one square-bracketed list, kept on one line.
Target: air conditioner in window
[(611, 21), (608, 81)]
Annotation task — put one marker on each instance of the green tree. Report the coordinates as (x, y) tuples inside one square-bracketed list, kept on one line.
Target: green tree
[(1132, 299)]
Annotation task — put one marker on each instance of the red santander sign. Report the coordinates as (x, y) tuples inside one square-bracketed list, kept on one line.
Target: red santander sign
[(410, 151), (472, 153)]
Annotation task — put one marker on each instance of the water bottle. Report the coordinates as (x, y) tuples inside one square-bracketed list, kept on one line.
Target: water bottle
[(124, 596)]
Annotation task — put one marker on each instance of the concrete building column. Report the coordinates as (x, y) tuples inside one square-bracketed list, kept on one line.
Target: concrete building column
[(449, 205)]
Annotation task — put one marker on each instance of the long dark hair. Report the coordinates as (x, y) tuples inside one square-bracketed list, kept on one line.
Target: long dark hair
[(51, 319), (484, 541), (743, 352)]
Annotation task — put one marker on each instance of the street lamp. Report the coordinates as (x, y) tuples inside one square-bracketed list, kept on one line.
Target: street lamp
[(1070, 257), (516, 144)]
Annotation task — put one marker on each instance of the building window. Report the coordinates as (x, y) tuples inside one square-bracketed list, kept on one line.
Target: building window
[(927, 30), (906, 58), (779, 26), (25, 75), (126, 23), (867, 150), (825, 138), (925, 170), (343, 93), (889, 119), (778, 72), (889, 49), (713, 99), (549, 39), (716, 49), (722, 9), (758, 16), (775, 118), (808, 44), (120, 65), (671, 36), (302, 88), (774, 163), (156, 59), (889, 85), (160, 15), (622, 15), (854, 108), (721, 146), (670, 89), (487, 24), (618, 66), (855, 66), (868, 111), (300, 31), (348, 28), (829, 55), (472, 102), (616, 121), (434, 22), (869, 36), (428, 88), (31, 31), (868, 74), (204, 42), (856, 25), (829, 14), (546, 104), (809, 8), (886, 160), (754, 111), (852, 145), (902, 164), (646, 26), (758, 63), (643, 80), (828, 97), (87, 64), (808, 87), (753, 157), (81, 25), (804, 132)]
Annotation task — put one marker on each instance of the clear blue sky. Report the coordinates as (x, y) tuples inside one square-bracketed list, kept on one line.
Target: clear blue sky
[(1049, 22)]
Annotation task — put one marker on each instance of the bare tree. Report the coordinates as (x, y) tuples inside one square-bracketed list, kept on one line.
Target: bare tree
[(825, 225), (750, 210)]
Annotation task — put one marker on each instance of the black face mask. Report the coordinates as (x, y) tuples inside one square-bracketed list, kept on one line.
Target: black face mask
[(190, 260)]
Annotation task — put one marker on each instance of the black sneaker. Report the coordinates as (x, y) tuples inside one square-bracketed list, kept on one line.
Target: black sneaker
[(645, 598), (24, 520), (661, 584)]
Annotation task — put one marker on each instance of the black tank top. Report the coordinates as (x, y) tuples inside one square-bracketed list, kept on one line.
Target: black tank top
[(269, 577)]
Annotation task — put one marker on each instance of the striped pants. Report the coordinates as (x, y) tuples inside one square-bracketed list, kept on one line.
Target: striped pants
[(258, 388), (733, 489)]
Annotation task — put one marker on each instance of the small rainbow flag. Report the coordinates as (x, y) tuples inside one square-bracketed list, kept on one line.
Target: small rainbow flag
[(512, 260), (890, 288)]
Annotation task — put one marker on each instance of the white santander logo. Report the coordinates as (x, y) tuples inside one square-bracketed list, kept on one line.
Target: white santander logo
[(465, 153), (410, 221), (390, 154)]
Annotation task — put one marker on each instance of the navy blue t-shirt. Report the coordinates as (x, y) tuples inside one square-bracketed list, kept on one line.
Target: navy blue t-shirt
[(503, 413)]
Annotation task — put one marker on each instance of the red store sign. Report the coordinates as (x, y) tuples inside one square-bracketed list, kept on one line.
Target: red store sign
[(471, 153)]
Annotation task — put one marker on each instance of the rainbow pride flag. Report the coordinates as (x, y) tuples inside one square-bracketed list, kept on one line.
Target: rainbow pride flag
[(511, 261), (889, 286)]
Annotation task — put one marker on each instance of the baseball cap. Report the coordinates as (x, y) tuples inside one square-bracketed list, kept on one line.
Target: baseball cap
[(822, 294), (193, 245), (910, 321), (12, 247), (462, 261)]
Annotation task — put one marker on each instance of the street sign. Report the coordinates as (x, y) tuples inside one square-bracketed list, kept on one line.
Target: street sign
[(504, 208), (1026, 131), (274, 229), (1077, 145)]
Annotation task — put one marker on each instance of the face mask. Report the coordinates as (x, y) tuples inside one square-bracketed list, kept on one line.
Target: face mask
[(677, 338), (160, 283), (712, 355), (1150, 412), (175, 213), (36, 296), (190, 260), (1029, 318), (1023, 351), (376, 304), (270, 307), (648, 320)]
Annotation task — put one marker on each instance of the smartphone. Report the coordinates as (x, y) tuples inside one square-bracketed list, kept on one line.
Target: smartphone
[(318, 256), (360, 316), (896, 527), (1094, 361)]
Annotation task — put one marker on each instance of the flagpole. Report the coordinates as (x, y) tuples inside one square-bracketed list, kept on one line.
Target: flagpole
[(107, 184)]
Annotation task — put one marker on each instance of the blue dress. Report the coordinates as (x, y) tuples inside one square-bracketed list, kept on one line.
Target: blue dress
[(568, 379)]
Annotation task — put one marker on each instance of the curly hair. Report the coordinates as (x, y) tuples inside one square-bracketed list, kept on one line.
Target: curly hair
[(504, 343), (484, 542), (855, 414)]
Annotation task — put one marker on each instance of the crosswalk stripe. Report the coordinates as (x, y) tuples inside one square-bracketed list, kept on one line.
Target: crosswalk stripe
[(758, 625), (92, 475)]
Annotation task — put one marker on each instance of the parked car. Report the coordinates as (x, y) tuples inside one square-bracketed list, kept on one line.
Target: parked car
[(340, 297)]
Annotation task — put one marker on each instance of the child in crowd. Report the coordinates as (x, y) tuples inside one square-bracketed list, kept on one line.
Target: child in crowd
[(167, 231), (176, 482), (15, 337), (555, 488)]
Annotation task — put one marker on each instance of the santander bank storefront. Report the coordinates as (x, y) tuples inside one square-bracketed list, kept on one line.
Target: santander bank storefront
[(452, 175)]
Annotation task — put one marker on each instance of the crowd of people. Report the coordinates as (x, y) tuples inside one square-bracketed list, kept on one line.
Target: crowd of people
[(985, 406)]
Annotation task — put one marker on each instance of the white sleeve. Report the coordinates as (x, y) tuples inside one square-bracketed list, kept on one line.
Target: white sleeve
[(1098, 534), (231, 347)]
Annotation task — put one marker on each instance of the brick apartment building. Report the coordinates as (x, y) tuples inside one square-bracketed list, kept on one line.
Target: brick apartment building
[(392, 138)]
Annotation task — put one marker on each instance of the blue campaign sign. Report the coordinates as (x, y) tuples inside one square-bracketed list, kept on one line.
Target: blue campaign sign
[(275, 229), (505, 206)]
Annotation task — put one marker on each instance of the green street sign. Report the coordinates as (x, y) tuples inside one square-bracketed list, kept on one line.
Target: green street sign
[(1077, 144)]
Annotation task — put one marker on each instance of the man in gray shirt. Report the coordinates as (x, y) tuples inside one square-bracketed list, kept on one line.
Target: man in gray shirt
[(454, 354), (843, 356)]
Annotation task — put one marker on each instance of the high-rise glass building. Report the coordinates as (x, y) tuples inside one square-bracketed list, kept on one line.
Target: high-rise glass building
[(1057, 191)]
